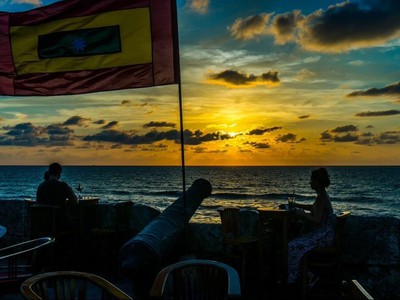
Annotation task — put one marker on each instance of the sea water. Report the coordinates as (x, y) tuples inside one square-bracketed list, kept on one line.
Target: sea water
[(369, 190)]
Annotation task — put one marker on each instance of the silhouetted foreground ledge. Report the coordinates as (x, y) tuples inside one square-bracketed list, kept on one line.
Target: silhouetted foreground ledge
[(371, 250)]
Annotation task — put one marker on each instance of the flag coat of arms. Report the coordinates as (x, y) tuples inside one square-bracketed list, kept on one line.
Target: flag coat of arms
[(83, 46)]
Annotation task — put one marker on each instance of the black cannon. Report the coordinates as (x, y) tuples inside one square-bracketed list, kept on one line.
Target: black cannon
[(142, 255)]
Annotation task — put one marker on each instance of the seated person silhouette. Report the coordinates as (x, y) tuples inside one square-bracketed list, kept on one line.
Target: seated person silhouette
[(322, 217), (57, 193)]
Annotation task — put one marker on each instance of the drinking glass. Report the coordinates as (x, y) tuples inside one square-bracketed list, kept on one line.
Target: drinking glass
[(291, 202), (79, 189)]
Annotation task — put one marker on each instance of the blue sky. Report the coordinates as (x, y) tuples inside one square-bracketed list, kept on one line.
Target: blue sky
[(263, 83)]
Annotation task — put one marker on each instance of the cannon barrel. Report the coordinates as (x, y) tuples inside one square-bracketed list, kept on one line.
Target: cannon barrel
[(151, 246)]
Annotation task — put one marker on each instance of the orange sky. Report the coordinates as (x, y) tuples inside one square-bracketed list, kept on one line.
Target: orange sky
[(253, 94)]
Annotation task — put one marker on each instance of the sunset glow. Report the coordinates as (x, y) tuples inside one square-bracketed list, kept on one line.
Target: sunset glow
[(263, 83)]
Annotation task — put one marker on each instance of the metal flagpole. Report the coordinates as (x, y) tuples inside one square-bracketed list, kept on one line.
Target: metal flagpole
[(182, 146), (178, 72)]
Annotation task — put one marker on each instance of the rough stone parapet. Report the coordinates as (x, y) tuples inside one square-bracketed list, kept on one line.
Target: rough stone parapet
[(371, 251)]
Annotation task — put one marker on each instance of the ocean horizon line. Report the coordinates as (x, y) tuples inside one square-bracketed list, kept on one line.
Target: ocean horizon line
[(208, 166), (365, 190)]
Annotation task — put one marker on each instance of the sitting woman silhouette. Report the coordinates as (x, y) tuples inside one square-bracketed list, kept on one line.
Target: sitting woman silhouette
[(320, 215)]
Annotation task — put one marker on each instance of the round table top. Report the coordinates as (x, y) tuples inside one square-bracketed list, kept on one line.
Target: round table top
[(3, 231)]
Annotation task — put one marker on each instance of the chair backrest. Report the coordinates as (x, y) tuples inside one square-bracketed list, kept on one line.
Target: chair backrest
[(340, 228), (197, 279), (355, 291), (239, 222), (70, 285), (229, 221), (43, 219), (20, 258)]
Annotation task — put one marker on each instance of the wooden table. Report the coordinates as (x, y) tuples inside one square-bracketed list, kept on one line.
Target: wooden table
[(87, 212), (89, 200), (284, 216), (87, 218)]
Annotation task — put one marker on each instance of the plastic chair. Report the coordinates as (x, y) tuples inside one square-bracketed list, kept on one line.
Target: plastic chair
[(20, 261), (326, 263), (353, 290), (237, 245), (70, 285), (197, 279)]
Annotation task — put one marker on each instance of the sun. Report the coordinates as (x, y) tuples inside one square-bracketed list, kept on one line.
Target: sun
[(232, 134)]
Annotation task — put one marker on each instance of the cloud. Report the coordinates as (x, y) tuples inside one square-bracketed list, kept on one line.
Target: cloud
[(350, 25), (250, 27), (200, 6), (29, 135), (286, 138), (339, 28), (258, 145), (110, 125), (389, 90), (389, 137), (305, 74), (233, 78), (205, 150), (346, 138), (200, 150), (346, 128), (340, 134), (303, 139), (284, 26), (33, 2), (326, 136), (312, 59), (100, 122), (261, 131), (197, 137), (378, 113), (348, 133), (76, 120), (159, 124), (131, 138), (356, 63), (129, 103), (57, 129)]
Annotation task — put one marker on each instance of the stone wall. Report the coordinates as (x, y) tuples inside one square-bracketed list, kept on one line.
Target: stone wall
[(14, 216), (371, 244), (372, 254)]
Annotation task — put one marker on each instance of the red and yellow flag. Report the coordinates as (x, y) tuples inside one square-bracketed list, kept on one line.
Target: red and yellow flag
[(75, 46)]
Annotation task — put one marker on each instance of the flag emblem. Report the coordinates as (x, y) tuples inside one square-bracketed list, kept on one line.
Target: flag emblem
[(84, 42)]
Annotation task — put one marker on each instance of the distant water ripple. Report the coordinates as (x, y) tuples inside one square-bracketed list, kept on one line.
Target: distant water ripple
[(363, 190)]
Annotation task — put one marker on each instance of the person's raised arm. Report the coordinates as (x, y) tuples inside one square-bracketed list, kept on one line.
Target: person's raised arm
[(318, 210), (304, 206), (71, 196)]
